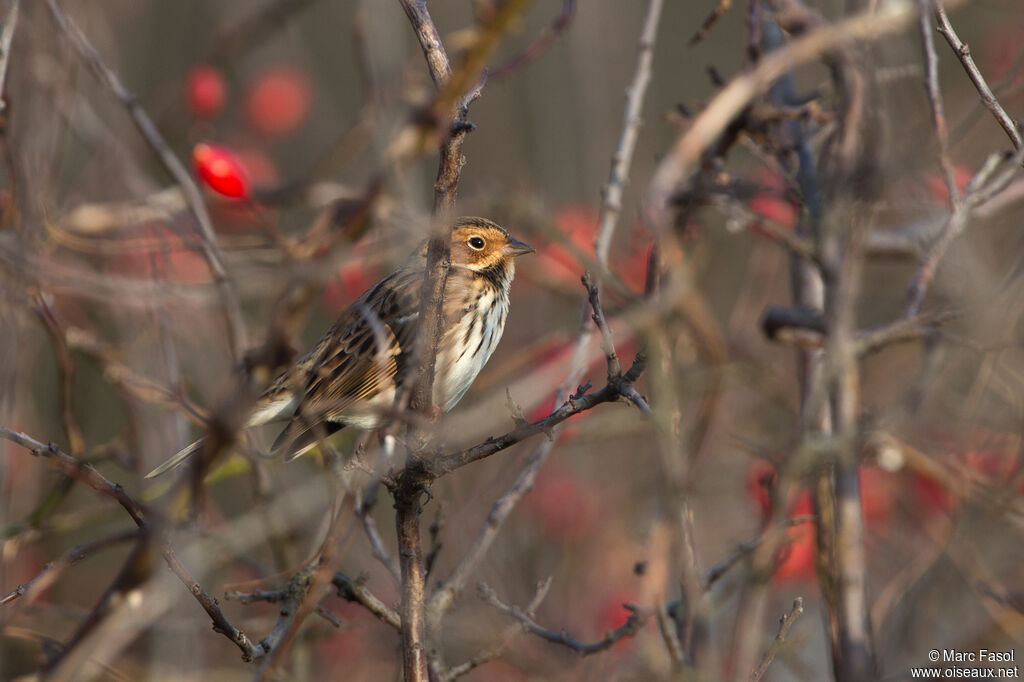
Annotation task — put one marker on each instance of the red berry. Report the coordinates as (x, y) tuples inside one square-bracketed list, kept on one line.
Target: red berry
[(937, 186), (157, 252), (578, 224), (772, 203), (876, 496), (795, 560), (933, 495), (564, 506), (205, 91), (221, 170), (278, 101)]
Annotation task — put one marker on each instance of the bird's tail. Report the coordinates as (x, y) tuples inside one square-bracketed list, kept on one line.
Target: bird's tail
[(177, 459)]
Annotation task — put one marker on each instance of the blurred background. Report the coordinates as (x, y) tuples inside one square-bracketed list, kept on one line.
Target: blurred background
[(111, 325)]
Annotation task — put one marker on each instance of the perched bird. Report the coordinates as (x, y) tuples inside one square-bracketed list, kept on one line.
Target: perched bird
[(350, 377)]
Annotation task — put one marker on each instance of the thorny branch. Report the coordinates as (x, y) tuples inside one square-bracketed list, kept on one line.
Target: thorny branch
[(632, 626)]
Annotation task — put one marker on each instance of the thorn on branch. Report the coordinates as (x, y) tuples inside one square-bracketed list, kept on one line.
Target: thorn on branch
[(517, 411), (581, 391)]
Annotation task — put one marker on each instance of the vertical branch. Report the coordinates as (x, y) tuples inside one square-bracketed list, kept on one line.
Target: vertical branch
[(931, 61), (407, 495), (66, 372), (456, 90), (414, 580), (622, 159)]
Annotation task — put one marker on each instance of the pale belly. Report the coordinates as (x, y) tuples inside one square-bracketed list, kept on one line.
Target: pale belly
[(457, 369)]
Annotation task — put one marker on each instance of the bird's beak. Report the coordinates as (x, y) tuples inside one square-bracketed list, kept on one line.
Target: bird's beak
[(517, 248)]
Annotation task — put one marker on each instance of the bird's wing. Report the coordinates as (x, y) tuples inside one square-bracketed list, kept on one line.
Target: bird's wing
[(363, 354)]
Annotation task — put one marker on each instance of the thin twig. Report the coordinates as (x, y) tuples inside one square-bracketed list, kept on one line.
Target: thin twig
[(66, 372), (785, 623), (355, 591), (668, 632), (477, 550), (630, 628), (622, 159), (53, 569), (746, 548), (539, 45), (363, 513), (721, 7), (580, 401), (931, 61), (504, 639), (963, 53), (82, 471), (955, 225)]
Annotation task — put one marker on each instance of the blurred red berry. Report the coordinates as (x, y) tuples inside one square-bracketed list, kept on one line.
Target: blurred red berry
[(772, 201), (278, 100), (795, 560), (932, 495), (613, 613), (564, 506), (937, 186), (762, 478), (877, 489), (348, 282), (157, 252), (578, 225), (221, 170), (1002, 50), (205, 91)]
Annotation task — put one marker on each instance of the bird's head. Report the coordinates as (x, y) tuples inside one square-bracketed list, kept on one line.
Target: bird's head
[(480, 245)]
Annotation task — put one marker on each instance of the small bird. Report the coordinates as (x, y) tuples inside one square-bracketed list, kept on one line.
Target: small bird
[(351, 376)]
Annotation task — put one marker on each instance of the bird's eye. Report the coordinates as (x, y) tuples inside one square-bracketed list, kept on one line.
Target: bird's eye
[(476, 242)]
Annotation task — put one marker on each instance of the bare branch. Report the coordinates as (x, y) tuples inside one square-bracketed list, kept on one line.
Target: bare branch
[(53, 569), (622, 159), (630, 628), (539, 45), (963, 53), (504, 639), (785, 623), (931, 61), (355, 591)]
